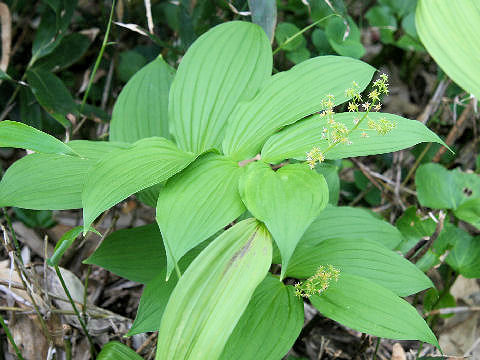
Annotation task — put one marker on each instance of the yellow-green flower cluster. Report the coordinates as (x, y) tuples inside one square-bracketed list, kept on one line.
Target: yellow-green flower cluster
[(314, 156), (382, 125), (317, 283), (336, 132), (356, 98)]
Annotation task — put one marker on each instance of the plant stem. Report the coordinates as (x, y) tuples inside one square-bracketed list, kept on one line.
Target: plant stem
[(84, 327), (291, 38), (85, 293), (99, 57), (376, 349), (10, 338), (14, 237)]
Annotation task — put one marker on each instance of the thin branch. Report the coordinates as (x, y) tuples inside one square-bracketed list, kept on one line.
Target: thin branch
[(424, 245)]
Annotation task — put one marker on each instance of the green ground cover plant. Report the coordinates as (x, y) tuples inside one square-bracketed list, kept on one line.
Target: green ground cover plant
[(231, 125), (242, 163)]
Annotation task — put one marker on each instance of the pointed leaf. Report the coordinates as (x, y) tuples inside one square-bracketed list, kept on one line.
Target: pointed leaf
[(469, 211), (345, 222), (330, 173), (51, 182), (288, 97), (367, 307), (463, 258), (363, 257), (345, 41), (212, 294), (65, 242), (95, 150), (45, 182), (18, 135), (141, 109), (270, 324), (156, 294), (115, 350), (296, 140), (52, 94), (448, 30), (152, 304), (287, 201), (136, 254), (197, 203), (124, 172), (224, 66), (439, 188)]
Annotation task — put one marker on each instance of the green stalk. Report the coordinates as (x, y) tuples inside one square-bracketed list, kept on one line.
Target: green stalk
[(99, 57), (77, 313), (10, 338), (291, 38)]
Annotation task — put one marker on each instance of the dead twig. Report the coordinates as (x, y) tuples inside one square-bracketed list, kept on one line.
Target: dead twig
[(425, 244), (434, 102), (6, 20), (456, 131)]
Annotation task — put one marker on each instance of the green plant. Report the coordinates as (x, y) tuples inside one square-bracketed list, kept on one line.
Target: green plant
[(235, 192)]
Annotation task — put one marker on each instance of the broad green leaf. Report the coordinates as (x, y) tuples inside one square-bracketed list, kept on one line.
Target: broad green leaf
[(469, 211), (449, 29), (439, 188), (18, 135), (141, 109), (362, 257), (70, 49), (156, 294), (212, 294), (368, 307), (400, 8), (344, 40), (52, 94), (45, 182), (298, 56), (65, 242), (264, 14), (149, 196), (269, 326), (463, 258), (212, 78), (330, 172), (40, 219), (296, 140), (115, 350), (288, 97), (382, 18), (49, 181), (152, 304), (136, 254), (197, 203), (95, 150), (130, 62), (286, 30), (345, 222), (45, 39), (413, 227), (124, 172), (287, 201)]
